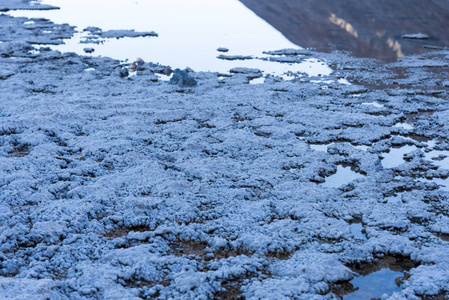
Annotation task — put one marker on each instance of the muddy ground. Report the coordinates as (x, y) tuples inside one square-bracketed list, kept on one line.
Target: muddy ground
[(116, 187)]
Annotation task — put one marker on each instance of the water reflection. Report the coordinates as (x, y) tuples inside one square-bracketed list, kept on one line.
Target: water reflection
[(344, 175), (371, 28), (358, 231), (396, 156), (189, 33), (375, 285)]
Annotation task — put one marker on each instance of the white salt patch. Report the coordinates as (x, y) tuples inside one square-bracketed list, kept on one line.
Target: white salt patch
[(394, 199), (257, 80), (320, 147), (362, 147), (287, 77), (344, 81), (163, 77), (375, 104), (404, 125), (431, 143)]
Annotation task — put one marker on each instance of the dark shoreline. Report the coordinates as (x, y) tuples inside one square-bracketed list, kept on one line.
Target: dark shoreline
[(370, 29)]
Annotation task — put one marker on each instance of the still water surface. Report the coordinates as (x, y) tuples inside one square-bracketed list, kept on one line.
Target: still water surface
[(190, 32)]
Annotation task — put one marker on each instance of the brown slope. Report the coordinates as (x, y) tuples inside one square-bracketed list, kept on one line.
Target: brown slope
[(368, 28)]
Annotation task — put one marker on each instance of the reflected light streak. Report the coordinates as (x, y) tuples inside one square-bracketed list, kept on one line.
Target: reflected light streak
[(396, 47), (343, 24)]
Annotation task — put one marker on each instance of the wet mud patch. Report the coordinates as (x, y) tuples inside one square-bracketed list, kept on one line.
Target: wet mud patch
[(121, 232), (231, 292), (411, 118), (202, 250), (281, 255), (441, 296), (19, 151), (185, 248), (442, 236), (136, 281), (417, 137), (59, 274)]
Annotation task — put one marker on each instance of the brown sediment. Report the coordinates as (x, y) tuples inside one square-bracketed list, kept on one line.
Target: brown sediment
[(411, 118), (19, 151), (189, 248), (231, 292), (397, 263), (443, 236), (121, 232)]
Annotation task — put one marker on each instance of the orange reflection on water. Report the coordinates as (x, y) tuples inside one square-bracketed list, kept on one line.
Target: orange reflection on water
[(343, 24)]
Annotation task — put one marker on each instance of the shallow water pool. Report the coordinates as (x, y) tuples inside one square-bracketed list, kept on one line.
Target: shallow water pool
[(189, 33), (374, 285)]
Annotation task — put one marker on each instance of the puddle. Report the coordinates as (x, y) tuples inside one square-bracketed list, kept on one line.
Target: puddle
[(375, 285), (439, 158), (343, 176), (189, 33), (384, 276), (357, 231), (395, 157)]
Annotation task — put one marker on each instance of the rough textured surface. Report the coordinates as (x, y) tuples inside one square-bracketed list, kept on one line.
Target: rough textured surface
[(6, 5), (130, 188)]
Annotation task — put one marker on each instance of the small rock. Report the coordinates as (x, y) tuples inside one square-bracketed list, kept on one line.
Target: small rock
[(89, 50), (234, 57), (183, 79), (139, 62), (222, 49), (122, 72), (242, 70), (132, 67)]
